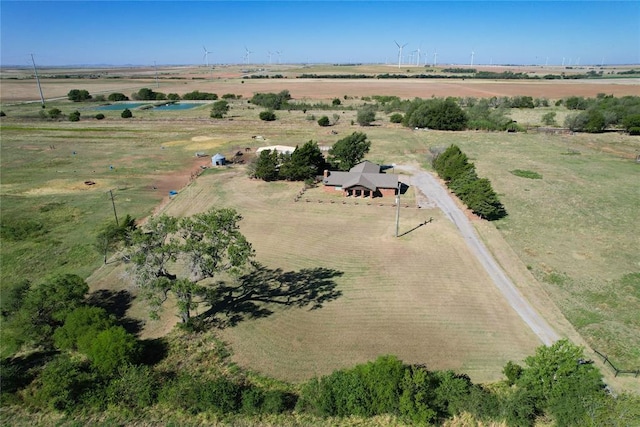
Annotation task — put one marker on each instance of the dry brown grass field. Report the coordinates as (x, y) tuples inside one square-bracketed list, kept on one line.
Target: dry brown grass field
[(421, 297)]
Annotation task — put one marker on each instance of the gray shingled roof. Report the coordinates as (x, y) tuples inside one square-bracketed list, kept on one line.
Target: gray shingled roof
[(365, 174)]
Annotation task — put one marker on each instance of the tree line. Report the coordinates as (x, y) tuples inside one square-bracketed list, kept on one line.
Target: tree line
[(454, 168)]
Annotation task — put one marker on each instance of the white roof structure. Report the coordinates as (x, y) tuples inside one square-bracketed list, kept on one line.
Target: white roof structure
[(282, 149)]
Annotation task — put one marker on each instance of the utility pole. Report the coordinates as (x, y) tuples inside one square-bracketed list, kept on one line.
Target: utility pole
[(114, 207), (156, 67), (398, 209), (37, 80)]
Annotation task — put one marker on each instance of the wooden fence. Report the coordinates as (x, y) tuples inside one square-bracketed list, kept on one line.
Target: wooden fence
[(617, 371)]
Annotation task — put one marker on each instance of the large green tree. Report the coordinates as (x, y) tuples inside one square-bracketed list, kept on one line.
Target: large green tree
[(562, 382), (439, 114), (272, 101), (182, 256), (265, 166), (219, 109), (43, 308), (305, 162), (349, 151), (78, 95)]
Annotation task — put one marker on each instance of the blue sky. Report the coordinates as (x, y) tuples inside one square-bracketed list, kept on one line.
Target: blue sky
[(174, 32)]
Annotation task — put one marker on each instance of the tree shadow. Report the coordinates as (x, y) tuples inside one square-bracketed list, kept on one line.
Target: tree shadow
[(116, 304), (254, 293), (153, 351), (19, 371)]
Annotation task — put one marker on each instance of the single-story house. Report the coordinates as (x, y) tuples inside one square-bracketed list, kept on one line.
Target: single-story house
[(364, 179), (218, 160)]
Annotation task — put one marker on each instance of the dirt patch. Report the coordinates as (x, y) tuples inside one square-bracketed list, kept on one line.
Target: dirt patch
[(178, 180)]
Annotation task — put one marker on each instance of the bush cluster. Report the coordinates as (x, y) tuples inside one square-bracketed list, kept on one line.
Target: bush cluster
[(453, 166), (200, 96), (604, 111), (439, 114), (272, 101)]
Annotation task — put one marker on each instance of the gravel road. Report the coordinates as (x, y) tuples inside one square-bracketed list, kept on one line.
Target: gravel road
[(436, 194)]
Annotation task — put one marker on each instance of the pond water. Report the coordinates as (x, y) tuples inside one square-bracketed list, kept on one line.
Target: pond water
[(115, 107), (132, 105), (177, 106)]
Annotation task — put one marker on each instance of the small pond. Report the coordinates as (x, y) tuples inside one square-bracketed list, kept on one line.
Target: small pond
[(122, 106)]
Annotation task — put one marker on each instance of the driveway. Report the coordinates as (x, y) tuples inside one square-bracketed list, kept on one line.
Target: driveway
[(438, 195)]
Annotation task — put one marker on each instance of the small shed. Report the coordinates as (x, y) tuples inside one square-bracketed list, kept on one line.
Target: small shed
[(218, 160)]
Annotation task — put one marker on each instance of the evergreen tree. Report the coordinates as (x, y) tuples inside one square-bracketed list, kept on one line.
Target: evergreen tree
[(267, 165)]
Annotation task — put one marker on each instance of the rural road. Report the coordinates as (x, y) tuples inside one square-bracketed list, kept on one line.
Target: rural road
[(438, 195)]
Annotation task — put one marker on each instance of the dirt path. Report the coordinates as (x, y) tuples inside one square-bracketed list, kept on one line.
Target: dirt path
[(434, 191)]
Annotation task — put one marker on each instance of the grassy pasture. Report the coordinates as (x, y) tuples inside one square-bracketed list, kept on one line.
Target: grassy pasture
[(573, 228), (421, 296)]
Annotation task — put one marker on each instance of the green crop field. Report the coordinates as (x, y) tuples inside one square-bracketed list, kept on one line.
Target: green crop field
[(421, 297)]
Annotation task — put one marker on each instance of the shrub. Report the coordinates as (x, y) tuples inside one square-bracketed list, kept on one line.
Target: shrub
[(219, 109), (75, 116), (117, 96), (272, 101), (62, 383), (99, 116), (576, 103), (596, 122), (195, 395), (324, 121), (2, 114), (78, 95), (336, 101), (512, 371), (126, 113), (135, 387), (229, 96), (436, 114), (173, 97), (396, 118), (80, 327), (631, 121), (267, 115), (112, 348), (200, 96), (634, 130), (366, 115), (54, 113), (549, 118)]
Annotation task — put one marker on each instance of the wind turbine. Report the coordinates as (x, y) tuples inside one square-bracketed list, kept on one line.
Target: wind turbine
[(206, 56), (270, 53), (472, 54), (278, 52), (247, 52), (400, 52), (435, 57)]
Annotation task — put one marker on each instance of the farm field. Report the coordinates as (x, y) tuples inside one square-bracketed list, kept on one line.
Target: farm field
[(430, 303), (18, 87)]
